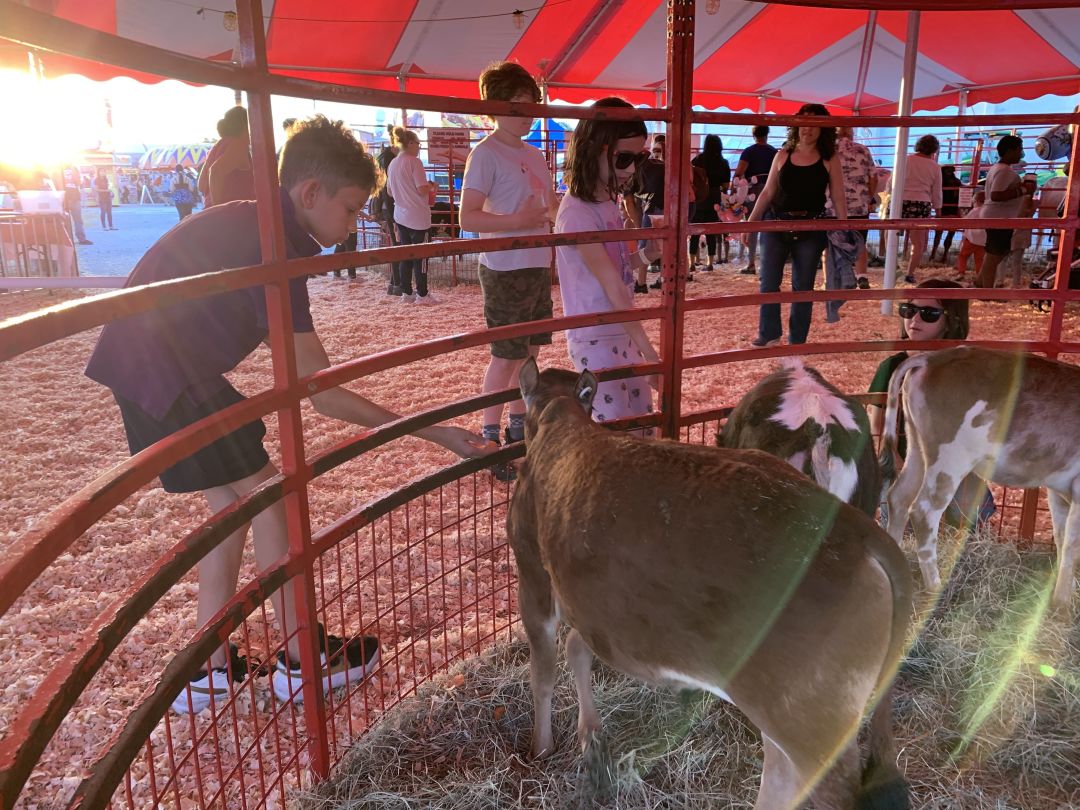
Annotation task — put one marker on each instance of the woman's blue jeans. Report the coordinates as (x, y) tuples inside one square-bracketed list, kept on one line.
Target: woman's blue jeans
[(804, 248)]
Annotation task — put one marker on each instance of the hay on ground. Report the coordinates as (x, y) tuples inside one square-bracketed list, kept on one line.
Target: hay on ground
[(987, 717)]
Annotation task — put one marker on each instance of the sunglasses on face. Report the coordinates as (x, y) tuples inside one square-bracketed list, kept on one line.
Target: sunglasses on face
[(624, 160), (928, 314)]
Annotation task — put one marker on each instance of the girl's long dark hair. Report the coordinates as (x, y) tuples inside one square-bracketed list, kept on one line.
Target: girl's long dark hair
[(582, 171), (826, 142)]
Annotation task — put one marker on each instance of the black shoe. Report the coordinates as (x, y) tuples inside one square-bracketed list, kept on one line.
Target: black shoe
[(749, 270), (205, 687), (863, 282), (640, 289), (503, 470), (909, 279), (761, 343), (656, 285), (342, 662)]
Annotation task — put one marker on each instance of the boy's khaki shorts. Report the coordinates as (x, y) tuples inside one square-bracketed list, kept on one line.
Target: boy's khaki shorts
[(516, 296)]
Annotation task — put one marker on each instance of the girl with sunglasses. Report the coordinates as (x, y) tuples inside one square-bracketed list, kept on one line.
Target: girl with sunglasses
[(601, 159), (801, 172), (932, 319)]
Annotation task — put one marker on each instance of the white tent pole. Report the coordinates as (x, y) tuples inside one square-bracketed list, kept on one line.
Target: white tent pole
[(907, 87), (962, 105)]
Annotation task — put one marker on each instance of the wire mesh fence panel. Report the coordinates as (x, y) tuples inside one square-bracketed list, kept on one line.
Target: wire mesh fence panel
[(432, 580)]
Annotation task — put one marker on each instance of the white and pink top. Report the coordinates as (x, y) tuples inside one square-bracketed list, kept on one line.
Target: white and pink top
[(580, 290)]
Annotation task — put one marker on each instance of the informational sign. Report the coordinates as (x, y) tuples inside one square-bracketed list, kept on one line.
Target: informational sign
[(447, 145), (967, 194)]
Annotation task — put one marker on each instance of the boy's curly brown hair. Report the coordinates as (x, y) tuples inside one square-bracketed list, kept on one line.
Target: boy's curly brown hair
[(501, 81), (329, 152)]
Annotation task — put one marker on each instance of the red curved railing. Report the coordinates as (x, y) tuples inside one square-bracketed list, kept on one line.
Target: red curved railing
[(288, 743)]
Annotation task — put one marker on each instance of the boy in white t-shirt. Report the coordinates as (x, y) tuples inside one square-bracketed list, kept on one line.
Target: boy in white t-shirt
[(507, 191)]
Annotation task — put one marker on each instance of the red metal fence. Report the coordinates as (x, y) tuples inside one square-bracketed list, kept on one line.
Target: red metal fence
[(359, 574)]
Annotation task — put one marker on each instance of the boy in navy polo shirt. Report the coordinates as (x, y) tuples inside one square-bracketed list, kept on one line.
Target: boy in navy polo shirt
[(165, 369)]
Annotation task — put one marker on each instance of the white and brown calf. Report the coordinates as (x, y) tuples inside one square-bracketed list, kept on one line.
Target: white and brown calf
[(715, 569), (799, 416), (1009, 417)]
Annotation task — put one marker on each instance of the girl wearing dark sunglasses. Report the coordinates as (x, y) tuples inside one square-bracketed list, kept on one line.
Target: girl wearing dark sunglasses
[(933, 319), (601, 159)]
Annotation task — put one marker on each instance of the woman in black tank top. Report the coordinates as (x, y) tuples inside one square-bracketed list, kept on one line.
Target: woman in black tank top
[(800, 174)]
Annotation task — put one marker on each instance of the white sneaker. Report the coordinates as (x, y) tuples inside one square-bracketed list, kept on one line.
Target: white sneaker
[(408, 298), (350, 662), (214, 685), (427, 299)]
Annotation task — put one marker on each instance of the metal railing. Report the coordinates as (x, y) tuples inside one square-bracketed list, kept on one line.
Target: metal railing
[(358, 574)]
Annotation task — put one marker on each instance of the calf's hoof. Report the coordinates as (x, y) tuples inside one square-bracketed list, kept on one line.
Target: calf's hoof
[(599, 769), (541, 750), (930, 576)]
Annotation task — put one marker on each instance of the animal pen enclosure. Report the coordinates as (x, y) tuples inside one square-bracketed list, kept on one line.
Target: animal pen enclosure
[(359, 570)]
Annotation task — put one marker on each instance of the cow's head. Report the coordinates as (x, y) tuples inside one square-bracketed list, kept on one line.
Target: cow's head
[(540, 389)]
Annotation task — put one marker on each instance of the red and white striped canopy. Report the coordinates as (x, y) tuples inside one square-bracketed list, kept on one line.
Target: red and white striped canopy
[(745, 52)]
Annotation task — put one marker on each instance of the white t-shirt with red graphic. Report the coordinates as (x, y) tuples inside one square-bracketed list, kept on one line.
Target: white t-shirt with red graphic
[(507, 176)]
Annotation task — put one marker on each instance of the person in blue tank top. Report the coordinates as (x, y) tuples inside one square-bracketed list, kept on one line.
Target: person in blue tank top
[(801, 172)]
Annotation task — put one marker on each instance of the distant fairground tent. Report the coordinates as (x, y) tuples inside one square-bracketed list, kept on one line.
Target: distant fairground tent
[(166, 157)]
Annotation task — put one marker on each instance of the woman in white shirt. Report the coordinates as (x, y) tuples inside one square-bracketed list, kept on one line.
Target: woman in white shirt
[(922, 193), (408, 185)]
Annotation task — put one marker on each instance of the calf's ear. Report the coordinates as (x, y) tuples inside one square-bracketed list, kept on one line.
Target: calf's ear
[(585, 389), (529, 378)]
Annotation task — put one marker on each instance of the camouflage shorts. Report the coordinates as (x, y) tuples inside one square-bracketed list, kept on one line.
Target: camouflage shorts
[(516, 296)]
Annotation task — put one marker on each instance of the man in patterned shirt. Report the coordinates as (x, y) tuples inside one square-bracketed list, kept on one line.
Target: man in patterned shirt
[(860, 187)]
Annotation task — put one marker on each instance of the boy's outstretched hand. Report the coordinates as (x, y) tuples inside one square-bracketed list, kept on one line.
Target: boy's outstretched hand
[(462, 442)]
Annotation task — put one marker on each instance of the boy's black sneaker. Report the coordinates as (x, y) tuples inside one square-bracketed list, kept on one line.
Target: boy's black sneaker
[(213, 685), (342, 662)]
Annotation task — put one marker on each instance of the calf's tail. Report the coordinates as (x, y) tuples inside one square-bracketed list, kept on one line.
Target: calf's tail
[(889, 458)]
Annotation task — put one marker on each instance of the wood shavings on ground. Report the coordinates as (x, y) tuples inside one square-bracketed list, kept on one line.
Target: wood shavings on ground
[(61, 430)]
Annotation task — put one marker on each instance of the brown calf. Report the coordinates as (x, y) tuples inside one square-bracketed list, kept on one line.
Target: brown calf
[(1009, 417), (705, 568)]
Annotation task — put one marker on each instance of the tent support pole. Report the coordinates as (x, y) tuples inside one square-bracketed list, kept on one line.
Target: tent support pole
[(896, 195), (962, 109), (675, 261)]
